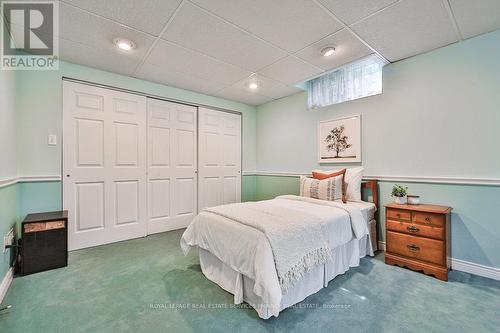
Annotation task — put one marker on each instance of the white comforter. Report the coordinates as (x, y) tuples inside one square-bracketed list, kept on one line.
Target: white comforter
[(247, 250)]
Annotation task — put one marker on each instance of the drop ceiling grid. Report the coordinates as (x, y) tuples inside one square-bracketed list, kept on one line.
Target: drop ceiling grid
[(172, 17), (288, 54), (453, 20), (281, 85), (165, 27), (202, 53)]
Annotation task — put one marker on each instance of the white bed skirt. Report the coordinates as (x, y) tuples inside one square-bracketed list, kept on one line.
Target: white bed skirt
[(343, 257)]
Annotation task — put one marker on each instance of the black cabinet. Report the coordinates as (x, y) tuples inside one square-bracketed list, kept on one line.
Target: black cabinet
[(44, 242)]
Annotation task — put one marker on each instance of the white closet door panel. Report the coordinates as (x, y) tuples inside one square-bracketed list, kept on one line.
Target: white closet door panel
[(159, 194), (219, 158), (89, 214), (104, 163), (127, 202), (209, 191), (172, 165), (230, 188)]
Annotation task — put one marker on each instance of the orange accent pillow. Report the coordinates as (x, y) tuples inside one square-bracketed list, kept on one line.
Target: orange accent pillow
[(321, 176)]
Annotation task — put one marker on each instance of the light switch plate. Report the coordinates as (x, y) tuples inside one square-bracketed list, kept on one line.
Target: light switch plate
[(52, 140)]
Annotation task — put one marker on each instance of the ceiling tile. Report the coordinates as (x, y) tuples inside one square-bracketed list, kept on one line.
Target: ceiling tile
[(79, 26), (408, 28), (149, 16), (112, 61), (170, 56), (476, 17), (194, 28), (241, 95), (350, 11), (290, 70), (177, 79), (268, 87), (347, 49), (280, 22)]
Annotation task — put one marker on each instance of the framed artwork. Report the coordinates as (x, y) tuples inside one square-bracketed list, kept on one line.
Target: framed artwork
[(339, 140)]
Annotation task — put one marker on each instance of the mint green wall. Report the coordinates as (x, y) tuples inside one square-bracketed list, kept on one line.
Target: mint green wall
[(248, 188), (269, 187), (37, 197), (7, 124), (8, 167), (439, 116)]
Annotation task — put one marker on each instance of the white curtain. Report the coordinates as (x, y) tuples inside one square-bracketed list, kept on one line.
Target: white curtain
[(355, 80)]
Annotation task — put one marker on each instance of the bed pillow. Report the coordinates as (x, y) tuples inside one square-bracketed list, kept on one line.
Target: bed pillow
[(353, 179), (328, 189), (321, 176)]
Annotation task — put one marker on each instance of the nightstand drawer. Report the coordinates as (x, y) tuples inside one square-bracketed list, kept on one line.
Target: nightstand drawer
[(416, 229), (420, 248), (398, 214), (437, 220)]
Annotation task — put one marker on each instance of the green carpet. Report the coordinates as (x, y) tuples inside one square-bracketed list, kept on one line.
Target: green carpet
[(144, 285)]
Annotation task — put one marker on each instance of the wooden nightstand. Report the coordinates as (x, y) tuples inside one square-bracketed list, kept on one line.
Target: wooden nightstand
[(418, 237)]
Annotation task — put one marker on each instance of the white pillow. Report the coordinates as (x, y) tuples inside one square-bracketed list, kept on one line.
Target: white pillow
[(353, 178), (327, 189)]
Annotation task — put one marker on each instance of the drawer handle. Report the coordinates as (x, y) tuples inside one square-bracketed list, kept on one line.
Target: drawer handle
[(413, 229), (413, 247), (398, 215), (427, 219)]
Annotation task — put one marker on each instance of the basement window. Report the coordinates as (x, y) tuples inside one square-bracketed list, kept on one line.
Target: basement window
[(355, 80)]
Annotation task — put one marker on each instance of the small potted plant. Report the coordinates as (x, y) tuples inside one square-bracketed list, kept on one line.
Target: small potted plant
[(399, 193)]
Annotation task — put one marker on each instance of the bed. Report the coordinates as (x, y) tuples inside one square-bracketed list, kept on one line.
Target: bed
[(239, 257)]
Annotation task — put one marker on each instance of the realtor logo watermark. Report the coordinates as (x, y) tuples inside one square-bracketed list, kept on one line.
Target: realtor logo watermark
[(29, 35)]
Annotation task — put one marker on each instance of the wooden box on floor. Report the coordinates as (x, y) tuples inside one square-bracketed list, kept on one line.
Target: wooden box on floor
[(44, 242), (418, 237)]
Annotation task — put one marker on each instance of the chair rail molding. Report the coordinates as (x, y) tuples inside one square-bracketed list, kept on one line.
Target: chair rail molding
[(408, 179), (29, 179)]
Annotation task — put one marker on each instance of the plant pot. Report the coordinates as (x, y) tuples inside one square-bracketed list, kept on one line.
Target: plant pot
[(413, 200), (400, 200)]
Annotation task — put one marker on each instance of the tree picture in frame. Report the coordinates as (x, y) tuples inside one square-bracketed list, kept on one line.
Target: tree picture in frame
[(339, 140)]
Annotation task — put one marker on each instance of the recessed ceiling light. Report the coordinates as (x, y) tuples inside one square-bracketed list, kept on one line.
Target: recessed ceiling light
[(328, 51), (124, 44), (253, 83)]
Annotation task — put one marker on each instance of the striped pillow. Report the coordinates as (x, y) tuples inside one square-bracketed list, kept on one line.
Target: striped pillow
[(328, 189)]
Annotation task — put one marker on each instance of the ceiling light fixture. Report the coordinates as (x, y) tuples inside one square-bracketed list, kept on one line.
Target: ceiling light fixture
[(124, 44), (328, 51), (253, 83)]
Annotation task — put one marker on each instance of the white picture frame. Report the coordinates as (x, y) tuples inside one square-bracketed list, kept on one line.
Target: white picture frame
[(339, 140)]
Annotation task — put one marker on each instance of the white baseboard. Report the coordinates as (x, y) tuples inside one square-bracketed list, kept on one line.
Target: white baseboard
[(7, 280), (466, 266), (476, 269)]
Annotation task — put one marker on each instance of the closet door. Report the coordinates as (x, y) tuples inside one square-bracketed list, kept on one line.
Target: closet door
[(172, 165), (219, 158), (104, 165)]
